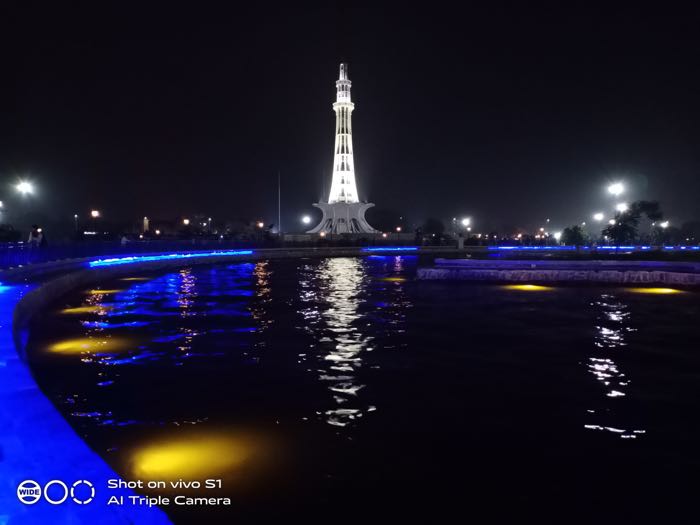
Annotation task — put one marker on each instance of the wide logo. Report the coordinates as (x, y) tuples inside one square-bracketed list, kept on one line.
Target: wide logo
[(55, 492)]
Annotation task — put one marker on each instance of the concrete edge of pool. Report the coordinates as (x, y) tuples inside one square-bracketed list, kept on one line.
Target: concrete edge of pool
[(558, 271), (36, 442)]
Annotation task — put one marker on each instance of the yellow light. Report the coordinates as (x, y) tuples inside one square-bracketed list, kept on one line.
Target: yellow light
[(193, 455), (661, 291), (90, 345), (102, 292), (528, 287), (394, 279), (86, 309), (135, 279)]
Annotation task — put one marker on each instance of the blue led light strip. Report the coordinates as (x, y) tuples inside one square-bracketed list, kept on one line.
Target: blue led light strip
[(116, 261), (391, 249), (643, 248)]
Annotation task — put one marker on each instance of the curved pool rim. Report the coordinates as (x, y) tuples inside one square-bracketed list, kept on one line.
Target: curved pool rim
[(36, 442)]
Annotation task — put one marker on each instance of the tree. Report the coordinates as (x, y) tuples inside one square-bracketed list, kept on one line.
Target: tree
[(625, 224), (573, 236)]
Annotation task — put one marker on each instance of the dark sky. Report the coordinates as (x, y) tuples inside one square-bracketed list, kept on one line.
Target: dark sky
[(508, 115)]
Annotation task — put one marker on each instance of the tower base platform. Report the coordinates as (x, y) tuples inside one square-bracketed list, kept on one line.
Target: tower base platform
[(343, 217)]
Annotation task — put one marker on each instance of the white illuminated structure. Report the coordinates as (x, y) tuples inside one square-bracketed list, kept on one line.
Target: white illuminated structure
[(343, 213)]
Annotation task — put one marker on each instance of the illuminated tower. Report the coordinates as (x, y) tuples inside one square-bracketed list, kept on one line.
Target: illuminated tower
[(343, 213)]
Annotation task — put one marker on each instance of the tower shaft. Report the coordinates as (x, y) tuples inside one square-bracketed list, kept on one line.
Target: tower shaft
[(343, 185)]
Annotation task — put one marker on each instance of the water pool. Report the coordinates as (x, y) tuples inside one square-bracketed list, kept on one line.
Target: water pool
[(339, 387)]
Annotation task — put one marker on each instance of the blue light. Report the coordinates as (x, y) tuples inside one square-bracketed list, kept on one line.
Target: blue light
[(391, 249), (116, 261), (518, 248)]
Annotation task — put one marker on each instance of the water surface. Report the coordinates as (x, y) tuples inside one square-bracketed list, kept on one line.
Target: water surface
[(342, 387)]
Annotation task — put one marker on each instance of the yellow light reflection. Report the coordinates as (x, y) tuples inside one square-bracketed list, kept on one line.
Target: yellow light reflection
[(90, 309), (93, 345), (135, 279), (192, 456), (661, 291), (528, 287), (102, 292), (394, 279)]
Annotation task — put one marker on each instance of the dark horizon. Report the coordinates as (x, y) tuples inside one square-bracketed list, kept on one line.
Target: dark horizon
[(510, 116)]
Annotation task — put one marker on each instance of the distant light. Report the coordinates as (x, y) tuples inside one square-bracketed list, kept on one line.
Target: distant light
[(94, 214), (598, 216), (75, 216), (384, 235), (186, 222), (612, 222), (140, 235), (557, 235), (25, 188), (1, 204), (398, 229), (622, 207), (306, 219), (541, 229), (664, 224), (323, 234), (261, 224), (157, 232), (466, 221), (617, 188)]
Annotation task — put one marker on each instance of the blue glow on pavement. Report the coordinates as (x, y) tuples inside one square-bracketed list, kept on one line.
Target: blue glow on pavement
[(116, 261), (391, 249)]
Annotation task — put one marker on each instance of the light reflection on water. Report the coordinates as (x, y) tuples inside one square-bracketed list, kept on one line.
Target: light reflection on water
[(335, 287), (613, 325), (344, 327)]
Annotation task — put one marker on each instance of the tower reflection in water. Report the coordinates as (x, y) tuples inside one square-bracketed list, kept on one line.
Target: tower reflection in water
[(340, 320), (613, 325)]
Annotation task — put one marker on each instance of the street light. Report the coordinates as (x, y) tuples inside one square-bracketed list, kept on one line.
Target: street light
[(94, 214), (616, 188), (261, 224), (306, 219), (466, 221), (598, 216), (622, 207), (612, 222), (398, 229), (664, 225), (24, 187), (186, 222)]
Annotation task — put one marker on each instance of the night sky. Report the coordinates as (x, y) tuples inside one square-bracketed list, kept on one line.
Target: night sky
[(510, 116)]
